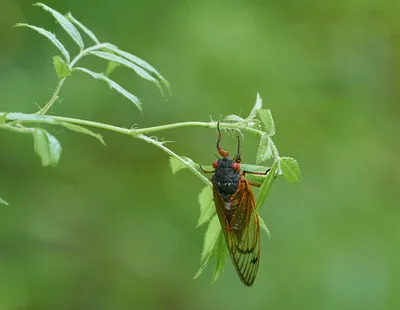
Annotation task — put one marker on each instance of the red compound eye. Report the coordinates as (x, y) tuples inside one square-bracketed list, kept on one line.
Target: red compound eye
[(235, 166), (215, 164)]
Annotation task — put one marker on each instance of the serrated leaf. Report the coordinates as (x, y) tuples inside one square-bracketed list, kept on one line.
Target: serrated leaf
[(113, 85), (221, 254), (139, 71), (266, 186), (264, 149), (61, 67), (267, 120), (177, 165), (207, 207), (49, 36), (290, 169), (257, 106), (2, 201), (253, 168), (210, 241), (140, 62), (263, 226), (83, 28), (211, 237), (83, 130), (234, 118), (65, 23), (47, 147)]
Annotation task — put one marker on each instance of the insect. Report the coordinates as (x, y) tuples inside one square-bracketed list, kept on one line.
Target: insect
[(236, 209)]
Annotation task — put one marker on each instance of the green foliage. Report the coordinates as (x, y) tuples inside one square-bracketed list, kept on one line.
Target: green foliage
[(113, 85), (83, 28), (83, 130), (49, 36), (264, 149), (47, 147), (266, 186), (139, 71), (259, 122), (207, 208), (290, 169), (267, 120), (140, 62), (65, 23), (61, 67), (3, 202), (257, 119)]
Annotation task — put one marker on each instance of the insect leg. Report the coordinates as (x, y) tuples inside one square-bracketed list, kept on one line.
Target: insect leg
[(205, 171), (221, 151), (254, 184), (258, 173), (238, 158)]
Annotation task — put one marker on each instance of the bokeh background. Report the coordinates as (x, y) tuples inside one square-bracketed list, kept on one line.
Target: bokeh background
[(112, 228)]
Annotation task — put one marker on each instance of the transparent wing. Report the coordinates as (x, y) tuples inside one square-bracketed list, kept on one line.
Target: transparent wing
[(241, 228)]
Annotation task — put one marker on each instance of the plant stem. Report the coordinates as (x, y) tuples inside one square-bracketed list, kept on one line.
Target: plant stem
[(20, 118), (171, 153), (53, 98), (198, 124), (53, 119), (60, 84)]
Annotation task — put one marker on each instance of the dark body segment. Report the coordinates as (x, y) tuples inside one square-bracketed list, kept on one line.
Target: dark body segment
[(225, 179)]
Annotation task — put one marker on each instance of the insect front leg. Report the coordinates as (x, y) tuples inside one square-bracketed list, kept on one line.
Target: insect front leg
[(257, 173), (205, 171)]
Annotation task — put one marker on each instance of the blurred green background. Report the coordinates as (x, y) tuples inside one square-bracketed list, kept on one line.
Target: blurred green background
[(112, 228)]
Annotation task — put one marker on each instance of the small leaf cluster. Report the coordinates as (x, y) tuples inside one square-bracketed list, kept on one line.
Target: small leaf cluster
[(64, 66), (46, 146), (260, 122)]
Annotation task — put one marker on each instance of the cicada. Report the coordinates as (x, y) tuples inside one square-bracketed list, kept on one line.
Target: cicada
[(236, 209)]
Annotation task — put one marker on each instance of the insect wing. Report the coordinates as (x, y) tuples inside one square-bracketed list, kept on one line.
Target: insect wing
[(241, 230)]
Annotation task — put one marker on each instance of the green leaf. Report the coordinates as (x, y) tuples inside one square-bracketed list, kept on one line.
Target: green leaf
[(210, 244), (177, 164), (47, 147), (112, 65), (113, 85), (263, 226), (266, 186), (61, 67), (267, 120), (207, 207), (139, 71), (256, 107), (65, 23), (290, 169), (221, 254), (83, 28), (139, 62), (264, 149), (83, 130), (3, 118), (49, 36), (2, 201), (211, 237), (234, 118)]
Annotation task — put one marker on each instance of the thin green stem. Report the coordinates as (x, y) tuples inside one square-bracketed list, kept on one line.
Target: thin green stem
[(16, 128), (137, 133), (171, 153), (53, 98), (198, 124), (60, 84), (53, 119)]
